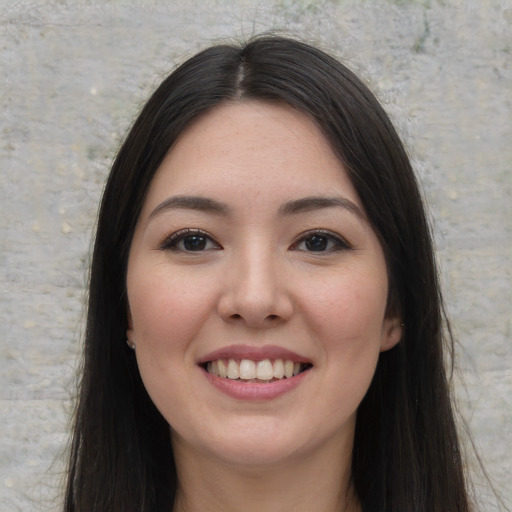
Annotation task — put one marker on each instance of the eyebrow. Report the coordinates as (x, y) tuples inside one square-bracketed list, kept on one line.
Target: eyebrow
[(191, 203), (293, 207), (307, 204)]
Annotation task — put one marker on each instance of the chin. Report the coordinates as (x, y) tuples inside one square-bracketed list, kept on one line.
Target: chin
[(258, 443), (248, 454)]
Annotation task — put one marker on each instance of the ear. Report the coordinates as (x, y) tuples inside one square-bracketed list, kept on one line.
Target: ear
[(392, 330), (129, 330)]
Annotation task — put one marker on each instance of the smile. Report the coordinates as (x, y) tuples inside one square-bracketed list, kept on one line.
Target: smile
[(250, 370)]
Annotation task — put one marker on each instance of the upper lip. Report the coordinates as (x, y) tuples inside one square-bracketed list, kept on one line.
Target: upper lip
[(253, 353)]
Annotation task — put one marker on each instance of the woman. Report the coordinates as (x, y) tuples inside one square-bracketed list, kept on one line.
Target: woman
[(265, 325)]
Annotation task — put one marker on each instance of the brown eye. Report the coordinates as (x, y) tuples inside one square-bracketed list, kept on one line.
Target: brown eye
[(320, 242), (195, 243), (188, 240), (317, 243)]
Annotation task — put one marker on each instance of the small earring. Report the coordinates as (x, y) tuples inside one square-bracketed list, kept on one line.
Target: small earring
[(130, 344)]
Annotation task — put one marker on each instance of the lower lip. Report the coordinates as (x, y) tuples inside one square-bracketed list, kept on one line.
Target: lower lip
[(254, 391)]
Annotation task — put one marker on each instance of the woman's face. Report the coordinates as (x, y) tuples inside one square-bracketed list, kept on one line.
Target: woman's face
[(257, 289)]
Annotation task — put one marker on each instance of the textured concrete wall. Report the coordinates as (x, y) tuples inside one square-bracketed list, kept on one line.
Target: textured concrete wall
[(74, 73)]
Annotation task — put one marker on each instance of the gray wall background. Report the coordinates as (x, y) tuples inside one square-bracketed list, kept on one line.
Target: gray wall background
[(74, 74)]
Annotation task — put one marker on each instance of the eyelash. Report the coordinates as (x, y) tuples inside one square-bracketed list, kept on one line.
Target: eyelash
[(340, 244), (171, 242)]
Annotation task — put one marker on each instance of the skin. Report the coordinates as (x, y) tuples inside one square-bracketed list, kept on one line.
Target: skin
[(255, 281)]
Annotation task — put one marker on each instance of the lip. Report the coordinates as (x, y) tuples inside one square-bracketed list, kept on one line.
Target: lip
[(254, 391), (254, 353)]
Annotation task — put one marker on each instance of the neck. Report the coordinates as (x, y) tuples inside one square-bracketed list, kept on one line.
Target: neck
[(315, 482)]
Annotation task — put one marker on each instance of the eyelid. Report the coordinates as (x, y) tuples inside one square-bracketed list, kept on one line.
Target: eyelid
[(170, 241), (341, 242)]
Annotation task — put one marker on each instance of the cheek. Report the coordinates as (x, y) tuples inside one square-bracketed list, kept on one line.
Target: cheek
[(349, 307), (166, 310), (347, 320)]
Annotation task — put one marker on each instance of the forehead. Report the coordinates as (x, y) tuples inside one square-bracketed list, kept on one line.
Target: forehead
[(251, 150)]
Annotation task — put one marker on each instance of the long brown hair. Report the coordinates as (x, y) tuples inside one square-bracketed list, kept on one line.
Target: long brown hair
[(406, 453)]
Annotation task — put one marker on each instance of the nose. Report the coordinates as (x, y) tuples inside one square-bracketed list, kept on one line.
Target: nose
[(256, 292)]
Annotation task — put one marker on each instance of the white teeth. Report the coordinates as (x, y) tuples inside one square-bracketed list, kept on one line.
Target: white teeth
[(223, 369), (233, 369), (264, 370), (278, 369), (288, 369), (250, 370), (247, 369)]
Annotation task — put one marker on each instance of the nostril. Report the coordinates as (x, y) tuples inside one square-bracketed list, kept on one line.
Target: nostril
[(272, 317)]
